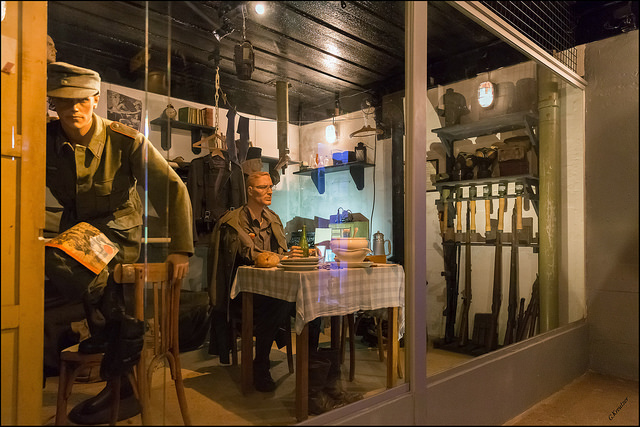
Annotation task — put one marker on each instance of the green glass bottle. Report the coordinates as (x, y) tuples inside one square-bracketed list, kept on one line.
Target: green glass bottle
[(304, 244)]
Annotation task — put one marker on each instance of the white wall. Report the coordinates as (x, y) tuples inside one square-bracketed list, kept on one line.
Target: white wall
[(340, 190), (572, 293), (296, 195), (262, 131)]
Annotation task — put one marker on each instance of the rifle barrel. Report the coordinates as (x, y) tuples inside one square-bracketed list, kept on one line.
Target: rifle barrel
[(464, 321), (510, 333)]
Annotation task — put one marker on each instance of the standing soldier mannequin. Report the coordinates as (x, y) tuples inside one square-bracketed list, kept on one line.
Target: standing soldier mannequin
[(93, 165)]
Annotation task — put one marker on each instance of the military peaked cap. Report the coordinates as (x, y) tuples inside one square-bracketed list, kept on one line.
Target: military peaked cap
[(69, 81)]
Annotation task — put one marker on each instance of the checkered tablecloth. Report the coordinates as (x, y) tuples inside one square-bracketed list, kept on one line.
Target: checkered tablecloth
[(327, 292)]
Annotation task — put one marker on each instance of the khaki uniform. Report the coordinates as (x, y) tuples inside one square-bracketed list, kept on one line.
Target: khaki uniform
[(230, 247), (97, 184)]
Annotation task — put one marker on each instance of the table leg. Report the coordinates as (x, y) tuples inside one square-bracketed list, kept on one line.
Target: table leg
[(392, 347), (246, 358), (335, 331), (302, 374)]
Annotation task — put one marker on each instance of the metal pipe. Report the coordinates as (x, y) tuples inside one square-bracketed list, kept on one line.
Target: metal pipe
[(550, 196), (282, 116)]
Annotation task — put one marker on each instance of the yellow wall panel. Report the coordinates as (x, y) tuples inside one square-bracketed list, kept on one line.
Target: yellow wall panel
[(9, 345), (23, 198), (9, 86), (8, 230)]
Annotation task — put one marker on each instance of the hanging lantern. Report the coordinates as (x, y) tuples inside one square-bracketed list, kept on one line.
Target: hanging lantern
[(244, 60)]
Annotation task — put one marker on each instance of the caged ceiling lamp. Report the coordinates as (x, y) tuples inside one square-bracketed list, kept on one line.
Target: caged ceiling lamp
[(243, 54)]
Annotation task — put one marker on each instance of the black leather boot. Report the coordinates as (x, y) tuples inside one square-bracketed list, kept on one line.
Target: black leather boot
[(97, 410), (97, 342), (124, 345), (333, 386), (100, 312), (319, 401)]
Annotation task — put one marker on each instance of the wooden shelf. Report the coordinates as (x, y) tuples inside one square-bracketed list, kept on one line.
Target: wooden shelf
[(181, 125), (356, 169), (196, 131), (505, 123)]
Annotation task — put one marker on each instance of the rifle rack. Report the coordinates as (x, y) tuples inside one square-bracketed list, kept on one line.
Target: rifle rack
[(529, 182)]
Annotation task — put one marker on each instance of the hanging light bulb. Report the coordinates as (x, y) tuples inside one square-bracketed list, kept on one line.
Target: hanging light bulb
[(330, 134)]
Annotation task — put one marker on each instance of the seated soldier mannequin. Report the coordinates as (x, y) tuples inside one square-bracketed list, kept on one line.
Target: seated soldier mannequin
[(93, 165), (237, 239), (241, 237)]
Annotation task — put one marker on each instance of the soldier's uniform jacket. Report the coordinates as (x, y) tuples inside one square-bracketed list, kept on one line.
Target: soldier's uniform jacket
[(230, 247), (97, 184)]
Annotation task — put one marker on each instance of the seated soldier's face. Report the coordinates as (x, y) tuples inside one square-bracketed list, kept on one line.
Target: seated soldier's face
[(76, 112), (261, 191)]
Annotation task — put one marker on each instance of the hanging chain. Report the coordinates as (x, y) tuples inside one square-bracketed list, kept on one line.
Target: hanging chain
[(244, 36), (217, 90)]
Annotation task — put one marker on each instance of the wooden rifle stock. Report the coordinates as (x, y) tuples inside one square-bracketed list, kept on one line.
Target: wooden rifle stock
[(529, 321), (466, 298), (510, 334), (497, 282)]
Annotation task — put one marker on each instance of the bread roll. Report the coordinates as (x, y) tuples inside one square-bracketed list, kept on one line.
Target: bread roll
[(267, 260)]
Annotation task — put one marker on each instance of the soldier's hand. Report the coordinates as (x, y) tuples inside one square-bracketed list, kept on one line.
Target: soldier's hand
[(180, 265)]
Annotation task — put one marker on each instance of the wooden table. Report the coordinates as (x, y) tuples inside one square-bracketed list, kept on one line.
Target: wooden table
[(323, 292)]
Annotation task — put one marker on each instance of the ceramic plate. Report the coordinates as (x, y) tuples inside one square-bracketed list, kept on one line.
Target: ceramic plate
[(307, 260), (301, 267), (363, 264)]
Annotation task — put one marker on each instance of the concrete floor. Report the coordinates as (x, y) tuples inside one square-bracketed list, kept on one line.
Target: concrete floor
[(214, 396), (213, 390), (590, 400)]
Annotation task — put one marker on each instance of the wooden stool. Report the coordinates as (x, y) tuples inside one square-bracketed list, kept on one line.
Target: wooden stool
[(71, 363)]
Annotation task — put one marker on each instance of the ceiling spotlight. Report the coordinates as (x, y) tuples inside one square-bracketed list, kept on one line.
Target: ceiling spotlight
[(259, 8)]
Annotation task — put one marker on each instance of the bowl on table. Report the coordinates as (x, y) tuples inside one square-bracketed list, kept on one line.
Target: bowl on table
[(351, 255), (349, 243)]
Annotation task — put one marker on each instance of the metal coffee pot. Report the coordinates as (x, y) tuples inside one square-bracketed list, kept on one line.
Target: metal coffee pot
[(378, 244)]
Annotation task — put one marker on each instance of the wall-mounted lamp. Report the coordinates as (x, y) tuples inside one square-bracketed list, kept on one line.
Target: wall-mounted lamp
[(259, 8)]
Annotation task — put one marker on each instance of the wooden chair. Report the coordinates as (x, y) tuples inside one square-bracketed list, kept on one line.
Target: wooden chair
[(236, 332), (164, 328), (164, 333), (382, 345), (351, 324)]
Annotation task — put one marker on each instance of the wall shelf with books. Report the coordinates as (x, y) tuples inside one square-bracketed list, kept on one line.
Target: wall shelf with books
[(197, 131)]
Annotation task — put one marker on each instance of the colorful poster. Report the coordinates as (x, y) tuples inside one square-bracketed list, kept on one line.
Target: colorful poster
[(86, 244)]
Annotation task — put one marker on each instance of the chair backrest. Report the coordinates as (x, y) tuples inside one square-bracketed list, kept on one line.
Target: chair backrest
[(155, 277)]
